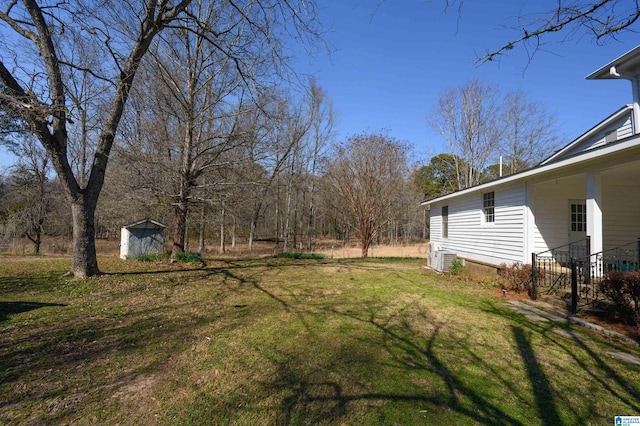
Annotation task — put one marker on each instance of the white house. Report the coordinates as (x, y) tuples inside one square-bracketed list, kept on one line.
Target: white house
[(591, 187), (144, 236)]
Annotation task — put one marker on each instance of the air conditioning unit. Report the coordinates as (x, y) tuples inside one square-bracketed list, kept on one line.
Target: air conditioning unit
[(442, 260), (431, 252)]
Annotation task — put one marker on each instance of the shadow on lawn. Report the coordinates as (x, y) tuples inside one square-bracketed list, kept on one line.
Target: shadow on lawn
[(63, 369), (542, 392), (312, 402), (311, 399), (10, 308), (597, 371), (52, 371)]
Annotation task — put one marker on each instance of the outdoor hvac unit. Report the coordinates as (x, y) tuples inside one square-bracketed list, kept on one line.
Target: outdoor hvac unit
[(431, 253), (442, 260)]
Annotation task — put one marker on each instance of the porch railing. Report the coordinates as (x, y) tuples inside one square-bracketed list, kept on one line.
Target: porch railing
[(558, 269), (551, 269)]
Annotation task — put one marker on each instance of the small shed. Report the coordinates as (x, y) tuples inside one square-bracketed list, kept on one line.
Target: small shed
[(144, 236)]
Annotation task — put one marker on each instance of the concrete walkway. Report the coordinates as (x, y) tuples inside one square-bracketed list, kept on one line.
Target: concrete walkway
[(536, 314)]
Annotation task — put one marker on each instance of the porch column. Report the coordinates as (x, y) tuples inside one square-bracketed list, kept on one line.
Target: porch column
[(529, 221), (594, 210)]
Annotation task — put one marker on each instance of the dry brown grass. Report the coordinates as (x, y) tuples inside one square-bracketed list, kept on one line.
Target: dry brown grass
[(330, 248)]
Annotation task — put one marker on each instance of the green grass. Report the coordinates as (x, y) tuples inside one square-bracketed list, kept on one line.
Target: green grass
[(300, 255), (290, 341), (151, 257)]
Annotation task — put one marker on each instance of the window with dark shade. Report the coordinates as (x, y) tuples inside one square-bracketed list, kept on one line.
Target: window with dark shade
[(489, 206), (445, 221)]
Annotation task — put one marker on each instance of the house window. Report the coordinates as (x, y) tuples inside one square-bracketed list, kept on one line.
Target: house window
[(445, 221), (489, 206), (578, 217)]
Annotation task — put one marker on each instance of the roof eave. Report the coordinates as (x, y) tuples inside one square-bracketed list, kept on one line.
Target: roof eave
[(622, 145), (609, 71), (589, 133)]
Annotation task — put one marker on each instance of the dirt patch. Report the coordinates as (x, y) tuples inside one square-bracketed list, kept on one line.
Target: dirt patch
[(613, 325), (510, 295)]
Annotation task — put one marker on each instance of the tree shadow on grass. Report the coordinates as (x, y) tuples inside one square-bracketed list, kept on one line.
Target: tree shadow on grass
[(310, 398), (603, 373), (542, 392), (11, 308)]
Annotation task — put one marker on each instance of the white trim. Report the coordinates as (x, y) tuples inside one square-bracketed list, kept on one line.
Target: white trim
[(594, 210), (591, 132), (610, 70), (594, 154)]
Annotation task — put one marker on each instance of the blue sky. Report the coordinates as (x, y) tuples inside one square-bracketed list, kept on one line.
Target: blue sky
[(393, 58)]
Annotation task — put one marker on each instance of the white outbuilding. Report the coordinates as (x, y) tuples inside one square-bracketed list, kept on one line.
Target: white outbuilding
[(145, 236)]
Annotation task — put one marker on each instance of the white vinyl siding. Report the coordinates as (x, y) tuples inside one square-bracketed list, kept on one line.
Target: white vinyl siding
[(435, 223), (621, 222), (551, 211), (619, 130), (502, 242)]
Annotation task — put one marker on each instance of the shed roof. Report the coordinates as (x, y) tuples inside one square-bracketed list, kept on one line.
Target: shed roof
[(143, 221)]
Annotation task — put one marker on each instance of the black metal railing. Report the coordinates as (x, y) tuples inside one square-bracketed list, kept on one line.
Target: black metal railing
[(551, 269), (563, 268)]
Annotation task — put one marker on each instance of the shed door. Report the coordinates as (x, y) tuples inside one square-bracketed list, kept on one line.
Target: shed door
[(577, 220)]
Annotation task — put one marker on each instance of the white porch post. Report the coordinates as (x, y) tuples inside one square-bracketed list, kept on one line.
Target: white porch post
[(594, 210), (635, 87), (529, 221)]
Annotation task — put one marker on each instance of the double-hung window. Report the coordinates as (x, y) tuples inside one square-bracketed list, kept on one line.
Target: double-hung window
[(489, 206), (445, 221)]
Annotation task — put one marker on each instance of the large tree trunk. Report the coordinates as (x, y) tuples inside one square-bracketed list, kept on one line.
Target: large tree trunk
[(180, 211), (222, 236), (365, 247), (84, 263), (202, 227)]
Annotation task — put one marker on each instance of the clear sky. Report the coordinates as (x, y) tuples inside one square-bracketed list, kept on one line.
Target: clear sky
[(392, 58)]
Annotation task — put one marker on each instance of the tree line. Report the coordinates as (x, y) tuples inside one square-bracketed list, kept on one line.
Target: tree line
[(269, 167), (192, 90)]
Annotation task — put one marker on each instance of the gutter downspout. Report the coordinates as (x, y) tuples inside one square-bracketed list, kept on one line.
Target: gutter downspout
[(635, 91)]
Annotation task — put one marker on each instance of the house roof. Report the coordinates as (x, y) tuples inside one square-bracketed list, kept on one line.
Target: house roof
[(581, 149), (625, 66), (559, 154), (146, 220), (599, 153)]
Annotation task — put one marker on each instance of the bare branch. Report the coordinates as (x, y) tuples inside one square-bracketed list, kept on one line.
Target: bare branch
[(604, 20)]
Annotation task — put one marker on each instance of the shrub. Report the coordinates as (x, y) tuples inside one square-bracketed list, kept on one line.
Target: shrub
[(297, 255), (150, 257), (456, 267), (516, 277), (623, 289), (189, 257)]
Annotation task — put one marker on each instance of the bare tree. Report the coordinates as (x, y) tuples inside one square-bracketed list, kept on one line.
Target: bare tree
[(467, 118), (603, 20), (196, 80), (529, 131), (321, 135), (42, 102), (366, 172), (36, 46), (30, 191)]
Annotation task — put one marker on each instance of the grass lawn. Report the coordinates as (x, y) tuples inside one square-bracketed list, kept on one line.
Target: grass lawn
[(287, 341)]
